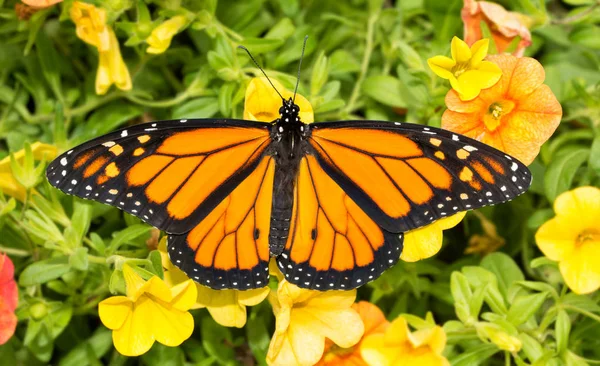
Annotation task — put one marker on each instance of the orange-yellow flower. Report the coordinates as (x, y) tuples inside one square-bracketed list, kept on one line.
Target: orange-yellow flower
[(424, 242), (262, 102), (9, 297), (572, 238), (91, 27), (40, 4), (517, 115), (151, 311), (8, 184), (398, 346), (505, 26), (467, 70), (227, 307), (304, 318), (375, 323)]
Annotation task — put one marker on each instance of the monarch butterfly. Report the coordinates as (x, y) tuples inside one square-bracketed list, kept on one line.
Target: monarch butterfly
[(329, 200)]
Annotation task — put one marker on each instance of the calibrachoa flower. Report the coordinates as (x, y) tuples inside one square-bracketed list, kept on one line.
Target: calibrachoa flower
[(91, 27), (375, 323), (572, 238), (505, 26), (8, 184), (151, 311), (227, 307), (9, 297), (160, 38), (517, 115), (398, 346), (262, 102), (40, 4), (426, 241), (467, 71), (304, 318)]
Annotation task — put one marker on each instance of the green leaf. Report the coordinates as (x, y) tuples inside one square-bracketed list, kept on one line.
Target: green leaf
[(384, 89), (475, 355), (524, 307), (215, 339), (506, 270), (197, 108), (156, 260), (107, 118), (562, 329), (262, 45), (79, 259), (587, 36), (127, 236), (320, 73), (160, 355), (582, 302), (561, 171), (594, 159), (49, 61), (44, 271), (99, 344), (226, 97), (462, 294), (531, 347)]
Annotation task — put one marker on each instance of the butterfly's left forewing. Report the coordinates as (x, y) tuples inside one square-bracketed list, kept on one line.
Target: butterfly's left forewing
[(171, 174), (406, 176)]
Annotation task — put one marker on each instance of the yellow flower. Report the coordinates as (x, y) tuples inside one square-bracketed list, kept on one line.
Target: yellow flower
[(227, 307), (399, 347), (262, 102), (497, 335), (8, 183), (467, 71), (426, 241), (91, 27), (151, 311), (160, 38), (304, 318), (573, 238)]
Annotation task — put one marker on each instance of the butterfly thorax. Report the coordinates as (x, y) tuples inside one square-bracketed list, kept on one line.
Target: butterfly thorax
[(289, 143)]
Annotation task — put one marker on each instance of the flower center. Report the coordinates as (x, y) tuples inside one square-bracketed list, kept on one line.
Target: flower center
[(459, 69), (588, 235), (493, 117)]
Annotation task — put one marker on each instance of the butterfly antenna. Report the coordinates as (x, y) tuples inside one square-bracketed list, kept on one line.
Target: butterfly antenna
[(299, 67), (260, 68)]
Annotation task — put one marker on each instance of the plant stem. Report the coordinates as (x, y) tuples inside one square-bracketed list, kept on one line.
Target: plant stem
[(365, 62), (14, 251)]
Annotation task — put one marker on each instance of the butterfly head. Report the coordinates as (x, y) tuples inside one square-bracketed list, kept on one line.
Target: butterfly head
[(289, 112)]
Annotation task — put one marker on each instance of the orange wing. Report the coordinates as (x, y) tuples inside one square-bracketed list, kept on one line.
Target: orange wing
[(332, 243), (171, 174), (230, 247), (405, 176)]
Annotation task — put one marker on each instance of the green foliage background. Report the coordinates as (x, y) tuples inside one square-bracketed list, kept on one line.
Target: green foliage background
[(364, 59)]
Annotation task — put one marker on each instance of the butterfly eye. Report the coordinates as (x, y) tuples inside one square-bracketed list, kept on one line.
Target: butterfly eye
[(281, 110)]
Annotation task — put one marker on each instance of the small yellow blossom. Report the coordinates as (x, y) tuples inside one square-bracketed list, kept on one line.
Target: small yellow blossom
[(304, 318), (227, 307), (151, 311), (399, 347), (467, 71), (160, 38), (262, 102), (91, 27), (572, 238), (8, 184), (424, 242), (498, 336)]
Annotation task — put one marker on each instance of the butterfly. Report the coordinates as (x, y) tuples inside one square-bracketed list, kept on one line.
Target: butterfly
[(330, 201)]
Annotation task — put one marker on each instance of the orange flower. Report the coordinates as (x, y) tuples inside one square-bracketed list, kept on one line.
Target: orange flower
[(8, 299), (505, 26), (375, 323), (40, 4), (517, 115)]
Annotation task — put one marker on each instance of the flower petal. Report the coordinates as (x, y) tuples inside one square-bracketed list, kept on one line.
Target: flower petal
[(372, 350), (262, 102), (468, 124), (527, 76), (344, 327), (9, 292), (184, 295), (299, 345), (441, 66), (253, 297), (479, 50), (135, 336), (373, 318), (434, 338), (134, 283), (451, 221), (114, 311), (8, 322), (490, 74), (581, 203), (460, 51), (556, 239), (422, 243), (169, 325), (581, 269), (507, 64)]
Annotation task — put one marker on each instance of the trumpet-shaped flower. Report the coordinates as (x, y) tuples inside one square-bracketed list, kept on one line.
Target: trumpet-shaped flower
[(505, 26), (424, 242), (398, 346), (8, 184), (9, 297), (91, 27), (151, 311), (227, 307), (262, 101), (304, 318), (572, 238), (517, 115), (375, 323), (160, 38), (467, 71)]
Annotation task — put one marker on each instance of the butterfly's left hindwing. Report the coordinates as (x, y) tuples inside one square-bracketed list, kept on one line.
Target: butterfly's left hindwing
[(406, 176), (171, 174), (230, 247)]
